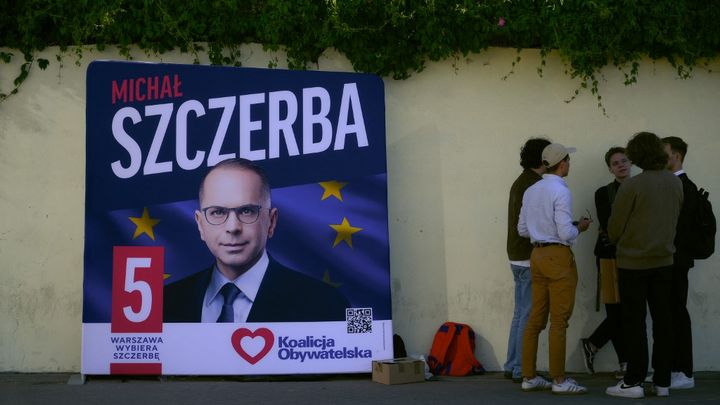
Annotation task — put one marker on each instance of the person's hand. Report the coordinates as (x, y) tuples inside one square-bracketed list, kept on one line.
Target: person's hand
[(584, 223)]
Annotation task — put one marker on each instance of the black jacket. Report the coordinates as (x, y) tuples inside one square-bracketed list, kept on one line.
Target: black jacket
[(687, 225), (604, 197)]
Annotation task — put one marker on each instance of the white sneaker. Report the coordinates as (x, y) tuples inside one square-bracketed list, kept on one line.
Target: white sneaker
[(536, 383), (679, 381), (626, 391), (568, 387), (661, 391)]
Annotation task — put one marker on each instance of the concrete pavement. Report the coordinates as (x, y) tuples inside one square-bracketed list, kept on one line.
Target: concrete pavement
[(491, 388)]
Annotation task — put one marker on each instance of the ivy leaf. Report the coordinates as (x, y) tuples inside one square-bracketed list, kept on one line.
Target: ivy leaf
[(24, 69), (390, 38)]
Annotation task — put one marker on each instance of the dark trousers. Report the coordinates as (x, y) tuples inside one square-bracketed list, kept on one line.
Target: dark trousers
[(682, 359), (638, 288), (611, 330)]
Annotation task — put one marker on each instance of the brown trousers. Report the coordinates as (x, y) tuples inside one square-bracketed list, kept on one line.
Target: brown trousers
[(554, 279)]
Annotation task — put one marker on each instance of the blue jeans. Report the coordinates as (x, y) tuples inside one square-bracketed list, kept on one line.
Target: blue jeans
[(523, 301)]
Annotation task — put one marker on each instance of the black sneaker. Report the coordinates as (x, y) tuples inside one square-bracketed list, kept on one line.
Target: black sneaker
[(588, 355)]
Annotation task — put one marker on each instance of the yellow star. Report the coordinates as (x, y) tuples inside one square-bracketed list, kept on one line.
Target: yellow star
[(332, 188), (344, 232), (327, 280), (144, 224)]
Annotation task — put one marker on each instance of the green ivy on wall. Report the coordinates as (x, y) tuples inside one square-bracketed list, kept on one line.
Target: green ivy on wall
[(392, 38)]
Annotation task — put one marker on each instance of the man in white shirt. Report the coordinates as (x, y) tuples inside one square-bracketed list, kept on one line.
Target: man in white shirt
[(546, 218)]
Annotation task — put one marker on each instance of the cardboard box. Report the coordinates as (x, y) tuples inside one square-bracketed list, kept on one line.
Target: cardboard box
[(398, 371)]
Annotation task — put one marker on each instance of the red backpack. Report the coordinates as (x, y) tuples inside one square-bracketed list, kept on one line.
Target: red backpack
[(453, 351)]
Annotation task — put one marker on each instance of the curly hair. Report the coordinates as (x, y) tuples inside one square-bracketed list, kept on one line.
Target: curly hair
[(531, 153), (647, 151)]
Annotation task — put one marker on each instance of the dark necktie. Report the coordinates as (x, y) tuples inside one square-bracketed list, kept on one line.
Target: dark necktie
[(229, 292)]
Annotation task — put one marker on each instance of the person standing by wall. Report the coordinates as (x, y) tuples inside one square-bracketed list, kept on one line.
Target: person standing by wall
[(681, 376), (642, 226), (610, 329), (546, 218), (518, 251)]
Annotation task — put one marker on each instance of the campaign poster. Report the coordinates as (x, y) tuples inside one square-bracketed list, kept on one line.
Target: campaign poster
[(235, 221)]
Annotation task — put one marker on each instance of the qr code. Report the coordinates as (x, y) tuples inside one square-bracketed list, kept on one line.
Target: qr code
[(359, 320)]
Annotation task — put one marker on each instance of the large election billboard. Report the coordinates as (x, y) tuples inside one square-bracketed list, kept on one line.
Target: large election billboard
[(235, 221)]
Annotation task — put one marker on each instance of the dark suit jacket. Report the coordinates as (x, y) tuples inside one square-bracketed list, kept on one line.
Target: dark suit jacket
[(687, 225), (603, 205), (284, 296)]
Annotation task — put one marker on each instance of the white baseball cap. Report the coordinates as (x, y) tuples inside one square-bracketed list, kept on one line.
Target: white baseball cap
[(554, 153)]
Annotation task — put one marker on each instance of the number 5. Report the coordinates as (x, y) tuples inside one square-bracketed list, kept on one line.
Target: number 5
[(134, 263), (137, 276)]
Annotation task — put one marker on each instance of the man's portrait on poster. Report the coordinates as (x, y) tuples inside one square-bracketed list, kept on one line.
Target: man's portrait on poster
[(235, 219)]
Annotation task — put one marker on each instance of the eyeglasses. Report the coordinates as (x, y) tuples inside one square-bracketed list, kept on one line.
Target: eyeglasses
[(247, 214)]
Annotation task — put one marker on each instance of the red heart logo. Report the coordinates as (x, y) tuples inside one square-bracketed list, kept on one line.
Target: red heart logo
[(257, 350)]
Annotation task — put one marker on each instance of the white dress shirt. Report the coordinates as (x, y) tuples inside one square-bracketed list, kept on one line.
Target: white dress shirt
[(248, 283), (546, 213)]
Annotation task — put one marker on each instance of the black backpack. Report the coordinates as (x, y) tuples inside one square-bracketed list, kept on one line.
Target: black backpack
[(704, 245)]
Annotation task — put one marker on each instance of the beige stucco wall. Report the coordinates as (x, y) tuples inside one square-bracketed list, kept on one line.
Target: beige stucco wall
[(453, 138)]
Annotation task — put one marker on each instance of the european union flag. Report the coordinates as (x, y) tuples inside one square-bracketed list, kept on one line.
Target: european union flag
[(342, 238)]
